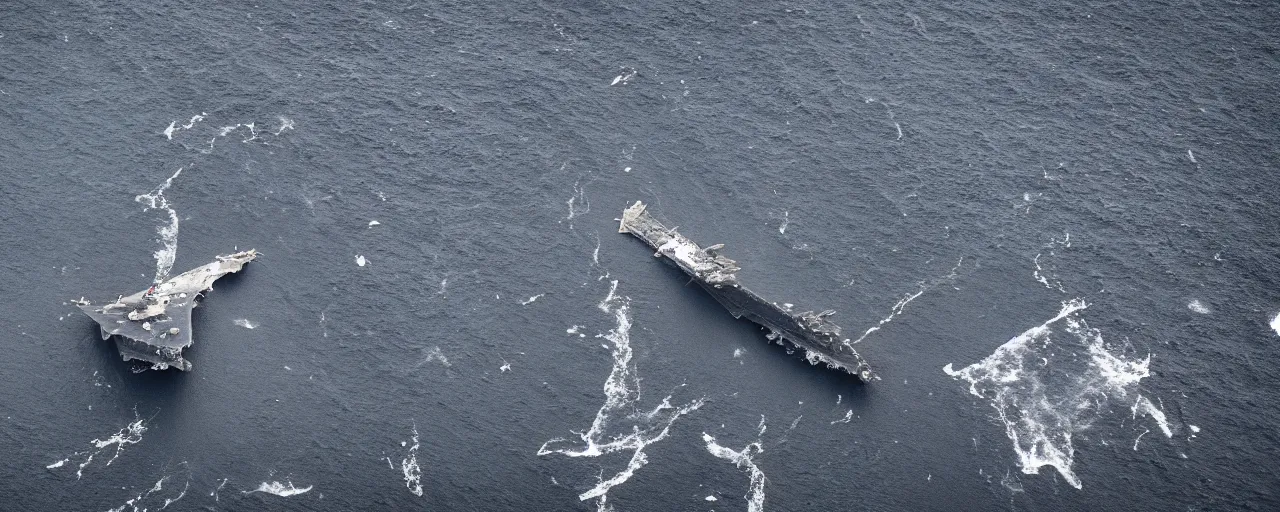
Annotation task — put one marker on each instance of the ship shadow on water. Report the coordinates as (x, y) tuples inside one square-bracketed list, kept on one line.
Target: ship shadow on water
[(781, 363), (143, 386), (135, 382)]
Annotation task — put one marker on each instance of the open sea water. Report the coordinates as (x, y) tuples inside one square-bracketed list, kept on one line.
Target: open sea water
[(1051, 228)]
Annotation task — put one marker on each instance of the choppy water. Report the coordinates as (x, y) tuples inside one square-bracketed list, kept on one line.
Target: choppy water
[(444, 316)]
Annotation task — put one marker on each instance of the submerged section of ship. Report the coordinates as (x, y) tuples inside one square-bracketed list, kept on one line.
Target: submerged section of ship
[(814, 333), (154, 325)]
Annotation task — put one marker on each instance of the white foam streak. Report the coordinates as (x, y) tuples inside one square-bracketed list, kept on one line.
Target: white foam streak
[(129, 435), (170, 501), (136, 503), (1048, 278), (743, 460), (608, 301), (624, 78), (1144, 406), (132, 503), (1045, 395), (618, 426), (168, 232), (174, 128), (285, 490), (577, 203), (1139, 438), (902, 303), (895, 311), (1055, 285)]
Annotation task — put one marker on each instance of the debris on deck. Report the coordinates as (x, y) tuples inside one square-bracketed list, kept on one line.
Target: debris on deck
[(818, 336), (154, 325)]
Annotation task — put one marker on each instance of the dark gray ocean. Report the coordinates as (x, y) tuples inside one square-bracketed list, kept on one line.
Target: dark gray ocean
[(1050, 227)]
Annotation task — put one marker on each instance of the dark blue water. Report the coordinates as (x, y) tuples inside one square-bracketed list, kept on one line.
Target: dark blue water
[(963, 171)]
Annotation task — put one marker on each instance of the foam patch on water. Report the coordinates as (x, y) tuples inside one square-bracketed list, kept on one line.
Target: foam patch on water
[(244, 322), (625, 77), (435, 354), (620, 426), (214, 492), (285, 124), (743, 459), (168, 231), (410, 468), (1198, 307), (129, 435), (1049, 383), (280, 489)]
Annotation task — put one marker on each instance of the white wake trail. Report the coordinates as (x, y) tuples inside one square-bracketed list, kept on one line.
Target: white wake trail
[(168, 232), (901, 305), (619, 426), (743, 459)]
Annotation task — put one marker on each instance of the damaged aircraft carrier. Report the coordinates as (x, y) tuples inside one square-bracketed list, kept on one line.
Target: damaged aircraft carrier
[(154, 325), (814, 333)]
